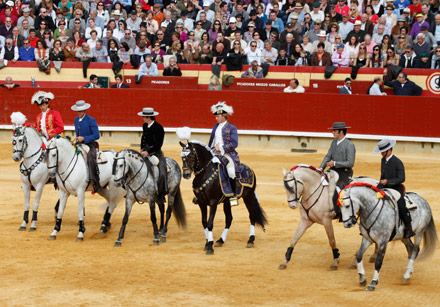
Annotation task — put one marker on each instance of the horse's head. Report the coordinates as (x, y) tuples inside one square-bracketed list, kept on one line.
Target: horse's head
[(349, 207), (19, 143), (294, 188), (120, 168), (189, 157)]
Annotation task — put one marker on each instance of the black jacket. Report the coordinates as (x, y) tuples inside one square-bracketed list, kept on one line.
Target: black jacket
[(123, 85), (409, 88), (152, 138), (394, 172)]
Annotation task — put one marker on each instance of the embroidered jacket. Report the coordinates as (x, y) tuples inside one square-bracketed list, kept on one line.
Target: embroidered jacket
[(54, 123), (230, 142)]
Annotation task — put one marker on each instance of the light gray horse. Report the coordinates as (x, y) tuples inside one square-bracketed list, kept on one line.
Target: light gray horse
[(132, 173), (379, 223)]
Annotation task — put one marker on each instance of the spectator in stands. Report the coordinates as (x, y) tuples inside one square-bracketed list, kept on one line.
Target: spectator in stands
[(134, 22), (306, 44), (9, 83), (253, 53), (61, 27), (8, 13), (24, 29), (322, 38), (277, 23), (6, 29), (93, 39), (8, 53), (363, 58), (435, 28), (100, 53), (369, 44), (157, 14), (435, 61), (214, 84), (85, 55), (376, 88), (26, 16), (70, 51), (425, 63), (294, 87), (93, 82), (17, 39), (157, 53), (340, 58), (421, 46), (46, 18), (321, 57), (235, 56), (345, 27), (219, 57), (313, 33), (391, 58), (416, 27), (77, 40), (376, 60), (239, 9), (129, 39), (289, 29), (409, 58), (148, 69), (102, 12), (205, 55), (42, 56), (316, 13), (346, 89), (56, 55), (429, 38), (139, 54), (77, 27), (360, 34), (190, 53), (208, 13), (352, 48), (283, 59), (92, 27), (269, 54), (253, 72), (378, 37), (367, 25), (172, 69), (401, 23), (119, 82), (402, 86)]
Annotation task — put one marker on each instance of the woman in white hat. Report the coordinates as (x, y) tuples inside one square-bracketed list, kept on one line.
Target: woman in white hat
[(151, 145), (392, 176), (224, 141), (87, 132), (49, 122)]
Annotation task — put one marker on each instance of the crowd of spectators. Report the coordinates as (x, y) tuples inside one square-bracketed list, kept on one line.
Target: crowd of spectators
[(343, 33)]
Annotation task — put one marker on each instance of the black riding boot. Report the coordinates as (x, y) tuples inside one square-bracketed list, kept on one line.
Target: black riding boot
[(233, 200), (406, 218), (408, 232)]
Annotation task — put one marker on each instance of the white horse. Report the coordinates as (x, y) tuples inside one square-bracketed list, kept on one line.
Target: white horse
[(67, 164), (305, 185), (379, 222), (27, 145)]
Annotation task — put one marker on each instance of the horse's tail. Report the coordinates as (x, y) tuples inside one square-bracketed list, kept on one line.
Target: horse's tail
[(260, 215), (179, 209), (430, 241)]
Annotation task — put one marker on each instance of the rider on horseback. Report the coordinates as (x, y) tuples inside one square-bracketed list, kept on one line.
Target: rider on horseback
[(87, 132), (151, 145), (49, 122), (392, 176), (224, 140)]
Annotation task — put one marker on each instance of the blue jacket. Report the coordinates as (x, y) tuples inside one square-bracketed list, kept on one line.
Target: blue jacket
[(230, 142), (87, 128), (26, 55)]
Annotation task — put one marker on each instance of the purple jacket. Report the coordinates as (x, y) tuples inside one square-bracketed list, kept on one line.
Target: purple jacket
[(230, 142), (416, 28)]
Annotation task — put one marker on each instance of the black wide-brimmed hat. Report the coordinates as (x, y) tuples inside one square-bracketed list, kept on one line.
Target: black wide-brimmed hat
[(338, 126)]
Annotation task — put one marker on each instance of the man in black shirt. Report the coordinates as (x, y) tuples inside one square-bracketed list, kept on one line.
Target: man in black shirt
[(392, 176), (151, 145)]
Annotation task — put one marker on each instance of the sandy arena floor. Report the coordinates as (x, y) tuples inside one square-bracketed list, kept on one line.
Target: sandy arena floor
[(36, 271)]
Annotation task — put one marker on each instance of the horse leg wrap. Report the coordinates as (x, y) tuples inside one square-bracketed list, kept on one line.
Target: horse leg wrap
[(289, 253), (106, 220), (26, 216), (58, 225), (34, 215), (81, 227), (335, 253)]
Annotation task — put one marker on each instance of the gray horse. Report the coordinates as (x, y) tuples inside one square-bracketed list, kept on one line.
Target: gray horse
[(132, 173), (379, 223)]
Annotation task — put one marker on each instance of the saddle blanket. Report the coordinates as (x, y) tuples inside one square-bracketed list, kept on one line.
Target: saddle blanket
[(245, 178)]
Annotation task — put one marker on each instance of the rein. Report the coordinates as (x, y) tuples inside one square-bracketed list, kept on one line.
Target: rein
[(127, 183), (75, 154)]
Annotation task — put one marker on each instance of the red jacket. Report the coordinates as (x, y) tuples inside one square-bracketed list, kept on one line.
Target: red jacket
[(54, 123)]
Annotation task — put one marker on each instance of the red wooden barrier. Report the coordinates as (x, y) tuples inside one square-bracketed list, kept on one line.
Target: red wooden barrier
[(389, 115)]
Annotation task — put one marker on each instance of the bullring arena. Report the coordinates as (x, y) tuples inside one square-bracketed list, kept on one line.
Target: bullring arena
[(38, 272)]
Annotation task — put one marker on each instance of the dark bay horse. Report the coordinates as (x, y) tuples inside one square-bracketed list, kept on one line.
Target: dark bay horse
[(200, 159)]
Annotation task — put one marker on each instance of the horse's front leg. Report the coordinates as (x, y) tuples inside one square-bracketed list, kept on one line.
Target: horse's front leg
[(128, 205), (303, 225), (360, 264), (210, 244), (379, 260), (81, 229), (62, 205), (228, 221), (156, 239), (27, 195), (39, 191), (331, 240)]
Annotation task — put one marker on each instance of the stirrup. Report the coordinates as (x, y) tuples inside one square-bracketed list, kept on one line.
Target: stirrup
[(233, 201), (195, 201)]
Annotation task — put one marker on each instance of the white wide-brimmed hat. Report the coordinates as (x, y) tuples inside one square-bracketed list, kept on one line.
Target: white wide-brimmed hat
[(322, 33), (221, 108), (384, 145), (116, 13), (148, 112), (41, 97), (80, 105)]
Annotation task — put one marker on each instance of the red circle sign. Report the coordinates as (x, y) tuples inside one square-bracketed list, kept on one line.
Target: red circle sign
[(433, 83)]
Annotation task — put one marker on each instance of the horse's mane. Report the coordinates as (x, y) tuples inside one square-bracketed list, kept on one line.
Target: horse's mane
[(214, 157), (134, 152)]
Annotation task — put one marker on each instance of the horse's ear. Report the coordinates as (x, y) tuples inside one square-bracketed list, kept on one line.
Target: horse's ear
[(181, 144), (284, 172)]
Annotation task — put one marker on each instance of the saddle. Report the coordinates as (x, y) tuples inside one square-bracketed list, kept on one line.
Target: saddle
[(245, 178), (100, 157)]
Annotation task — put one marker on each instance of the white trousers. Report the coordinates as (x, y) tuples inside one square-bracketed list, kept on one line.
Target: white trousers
[(230, 167)]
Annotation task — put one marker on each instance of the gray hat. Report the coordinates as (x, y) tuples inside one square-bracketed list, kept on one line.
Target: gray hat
[(401, 18), (148, 112), (384, 145), (80, 105), (26, 10), (338, 126)]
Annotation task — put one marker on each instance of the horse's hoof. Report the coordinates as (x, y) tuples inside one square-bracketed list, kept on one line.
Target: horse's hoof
[(103, 230), (334, 265), (405, 280), (282, 266), (370, 288), (250, 245), (363, 283), (155, 242), (117, 244), (218, 243), (32, 229), (22, 228), (210, 252), (52, 238), (102, 234), (79, 239), (163, 239)]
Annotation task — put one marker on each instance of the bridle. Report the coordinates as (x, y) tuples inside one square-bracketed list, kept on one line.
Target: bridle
[(290, 189), (186, 151), (19, 133), (75, 155)]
